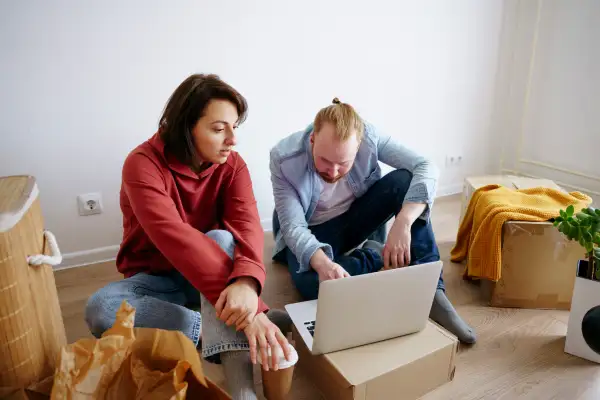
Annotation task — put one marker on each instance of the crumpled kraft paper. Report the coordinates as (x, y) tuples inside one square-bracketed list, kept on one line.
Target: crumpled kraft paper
[(132, 363), (37, 391)]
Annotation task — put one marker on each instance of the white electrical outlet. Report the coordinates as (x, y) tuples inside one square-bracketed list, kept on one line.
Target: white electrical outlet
[(453, 160), (89, 204)]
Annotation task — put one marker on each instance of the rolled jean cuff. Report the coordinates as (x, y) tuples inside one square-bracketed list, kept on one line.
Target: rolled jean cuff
[(217, 337), (209, 352), (197, 328)]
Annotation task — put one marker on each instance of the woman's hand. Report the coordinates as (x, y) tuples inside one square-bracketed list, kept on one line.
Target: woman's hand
[(263, 334), (238, 303)]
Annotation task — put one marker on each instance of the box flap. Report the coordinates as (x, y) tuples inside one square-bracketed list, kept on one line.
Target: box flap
[(526, 183), (478, 181), (390, 354), (528, 223), (511, 181)]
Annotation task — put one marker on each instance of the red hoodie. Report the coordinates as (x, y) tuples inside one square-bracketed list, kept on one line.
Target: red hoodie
[(167, 209)]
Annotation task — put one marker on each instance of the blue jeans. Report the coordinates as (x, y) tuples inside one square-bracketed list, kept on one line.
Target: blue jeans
[(167, 301), (365, 219)]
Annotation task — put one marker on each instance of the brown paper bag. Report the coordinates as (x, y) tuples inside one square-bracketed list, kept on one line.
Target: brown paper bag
[(133, 363), (36, 391)]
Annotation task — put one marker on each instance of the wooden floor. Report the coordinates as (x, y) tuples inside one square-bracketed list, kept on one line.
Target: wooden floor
[(519, 353)]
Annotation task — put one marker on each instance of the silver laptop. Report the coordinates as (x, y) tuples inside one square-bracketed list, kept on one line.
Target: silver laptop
[(368, 308)]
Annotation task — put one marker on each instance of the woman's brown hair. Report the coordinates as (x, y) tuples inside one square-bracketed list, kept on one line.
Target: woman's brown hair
[(186, 106)]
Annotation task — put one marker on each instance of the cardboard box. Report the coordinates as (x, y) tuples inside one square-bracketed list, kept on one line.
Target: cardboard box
[(403, 368), (538, 262)]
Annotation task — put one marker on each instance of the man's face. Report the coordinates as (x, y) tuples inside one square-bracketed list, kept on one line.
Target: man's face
[(333, 158)]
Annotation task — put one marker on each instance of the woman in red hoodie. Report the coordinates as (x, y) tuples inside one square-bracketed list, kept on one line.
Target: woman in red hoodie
[(193, 237)]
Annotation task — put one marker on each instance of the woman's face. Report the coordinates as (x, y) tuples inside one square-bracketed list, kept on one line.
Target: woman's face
[(214, 133)]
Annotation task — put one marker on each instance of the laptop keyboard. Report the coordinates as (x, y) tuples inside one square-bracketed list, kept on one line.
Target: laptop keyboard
[(310, 326)]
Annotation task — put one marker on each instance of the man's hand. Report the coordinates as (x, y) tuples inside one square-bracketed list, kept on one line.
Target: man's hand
[(238, 303), (263, 334), (396, 252), (327, 269), (332, 271)]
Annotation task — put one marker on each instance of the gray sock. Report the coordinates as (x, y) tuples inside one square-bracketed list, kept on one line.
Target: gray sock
[(444, 314), (239, 374), (281, 319), (374, 245)]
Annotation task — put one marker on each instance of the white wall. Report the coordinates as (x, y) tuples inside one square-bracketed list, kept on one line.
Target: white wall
[(550, 124), (82, 83)]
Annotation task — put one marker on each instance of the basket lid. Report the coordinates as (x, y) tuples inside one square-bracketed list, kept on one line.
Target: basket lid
[(17, 193)]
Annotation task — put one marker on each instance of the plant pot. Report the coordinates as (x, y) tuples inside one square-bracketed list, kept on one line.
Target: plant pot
[(583, 331)]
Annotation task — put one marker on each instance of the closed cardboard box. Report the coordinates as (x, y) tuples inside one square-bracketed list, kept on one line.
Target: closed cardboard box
[(402, 368), (538, 262)]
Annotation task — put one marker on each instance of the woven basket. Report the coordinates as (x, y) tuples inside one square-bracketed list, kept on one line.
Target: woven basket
[(31, 327)]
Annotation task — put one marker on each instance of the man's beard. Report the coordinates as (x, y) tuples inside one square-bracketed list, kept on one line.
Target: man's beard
[(322, 175), (328, 179)]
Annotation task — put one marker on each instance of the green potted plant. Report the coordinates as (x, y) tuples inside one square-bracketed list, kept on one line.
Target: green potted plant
[(583, 331), (583, 227)]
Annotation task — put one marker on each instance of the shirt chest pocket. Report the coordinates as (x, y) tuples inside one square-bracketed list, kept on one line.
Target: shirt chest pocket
[(373, 176), (366, 180)]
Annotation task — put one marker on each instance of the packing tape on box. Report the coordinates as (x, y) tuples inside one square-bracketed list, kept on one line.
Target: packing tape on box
[(561, 251), (516, 229)]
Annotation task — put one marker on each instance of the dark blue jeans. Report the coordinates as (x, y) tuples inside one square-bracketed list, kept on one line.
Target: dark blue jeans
[(365, 219)]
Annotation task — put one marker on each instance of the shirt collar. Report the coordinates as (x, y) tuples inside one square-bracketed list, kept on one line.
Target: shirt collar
[(308, 146)]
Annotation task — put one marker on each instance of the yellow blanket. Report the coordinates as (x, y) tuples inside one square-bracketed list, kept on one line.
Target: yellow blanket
[(480, 232)]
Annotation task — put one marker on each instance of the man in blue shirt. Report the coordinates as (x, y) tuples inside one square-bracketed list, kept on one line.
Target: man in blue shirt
[(332, 205)]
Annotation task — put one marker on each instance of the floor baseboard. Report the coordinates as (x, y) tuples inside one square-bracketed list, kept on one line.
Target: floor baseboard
[(267, 224), (86, 257), (450, 190)]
